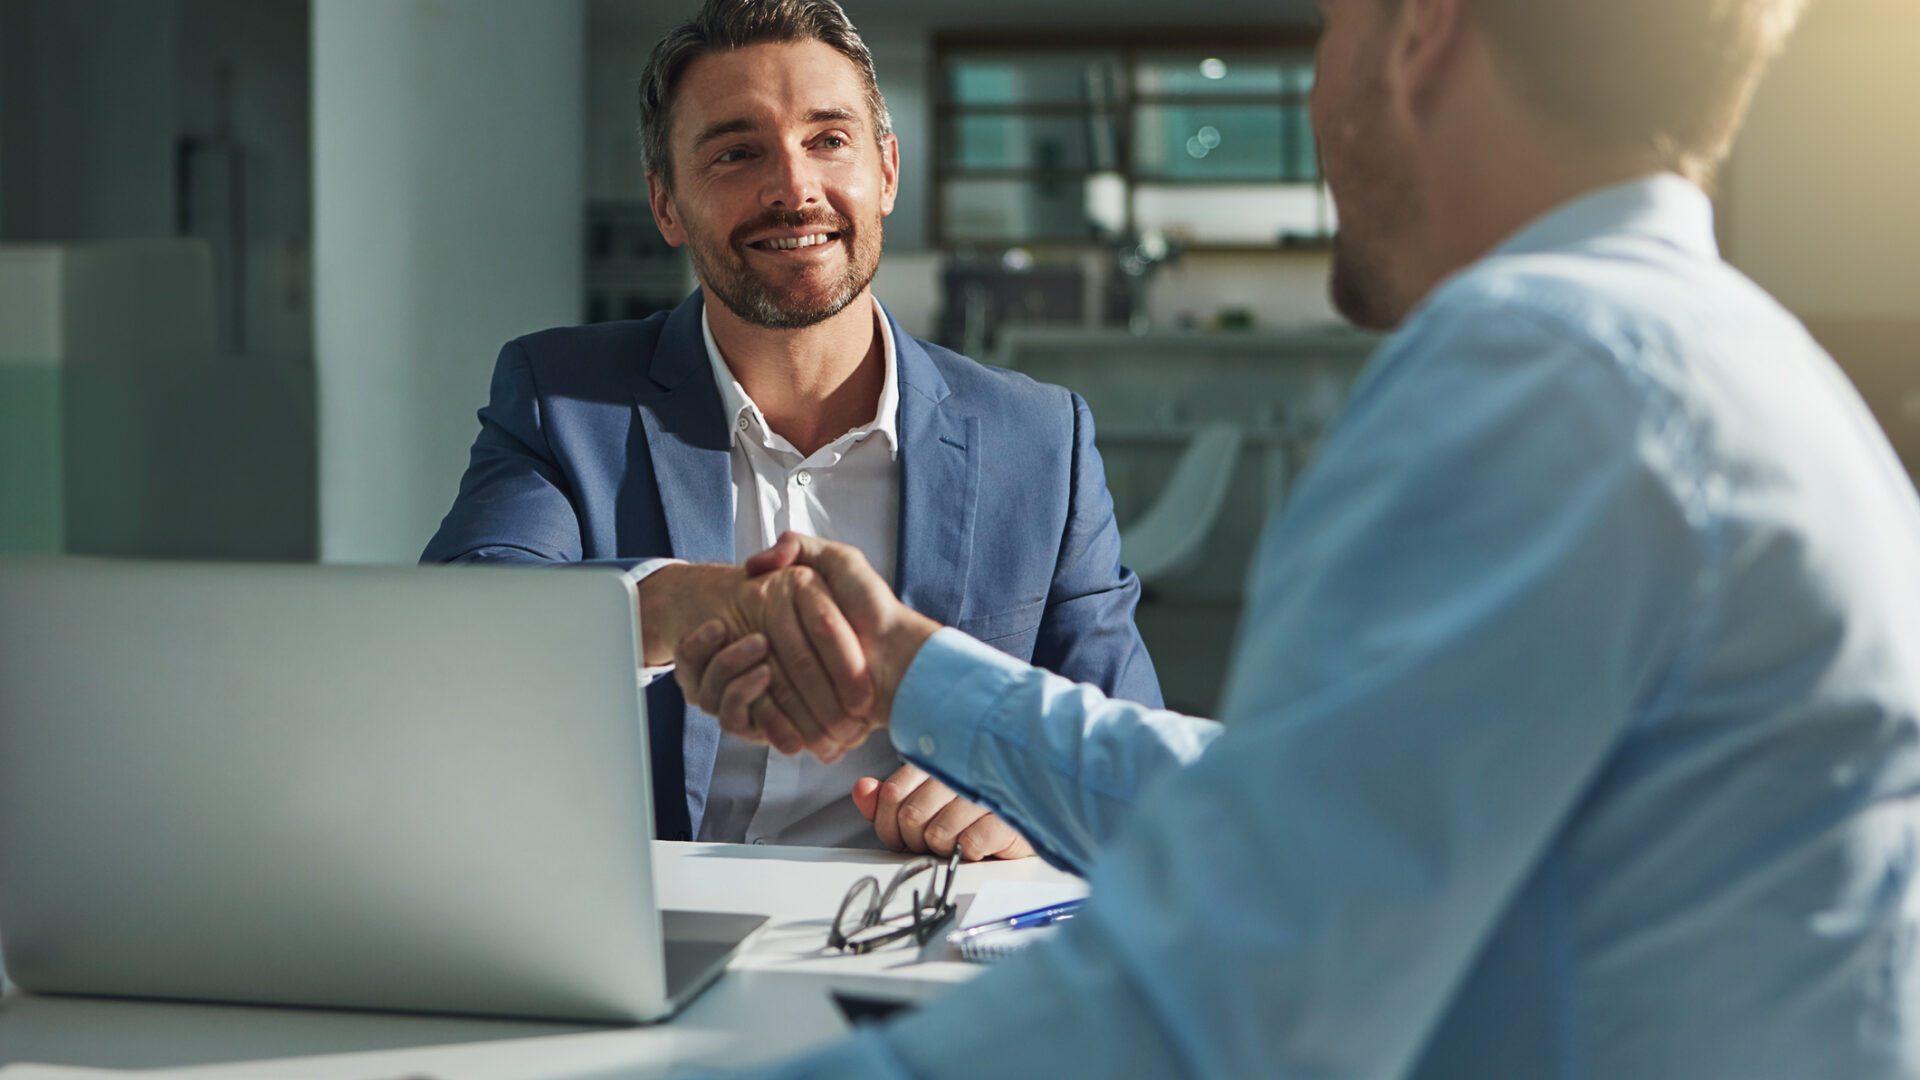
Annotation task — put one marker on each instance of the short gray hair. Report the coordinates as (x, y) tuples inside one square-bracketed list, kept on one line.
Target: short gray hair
[(723, 25)]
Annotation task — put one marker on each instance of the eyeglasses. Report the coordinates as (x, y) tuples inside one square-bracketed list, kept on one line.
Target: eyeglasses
[(864, 922)]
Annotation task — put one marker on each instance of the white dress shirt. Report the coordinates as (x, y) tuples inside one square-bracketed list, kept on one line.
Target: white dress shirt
[(848, 490)]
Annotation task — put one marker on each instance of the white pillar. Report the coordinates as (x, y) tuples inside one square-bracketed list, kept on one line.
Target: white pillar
[(448, 159)]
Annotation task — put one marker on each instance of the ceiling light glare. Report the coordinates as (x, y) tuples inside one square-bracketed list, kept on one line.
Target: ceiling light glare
[(1209, 137), (1213, 68)]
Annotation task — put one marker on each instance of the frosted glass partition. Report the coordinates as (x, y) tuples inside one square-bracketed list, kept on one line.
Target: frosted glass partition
[(79, 325)]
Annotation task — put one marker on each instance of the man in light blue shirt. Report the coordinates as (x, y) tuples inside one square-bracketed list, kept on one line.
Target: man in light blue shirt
[(1572, 728)]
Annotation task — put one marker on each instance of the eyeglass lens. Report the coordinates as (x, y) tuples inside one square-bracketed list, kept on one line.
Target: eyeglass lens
[(862, 922)]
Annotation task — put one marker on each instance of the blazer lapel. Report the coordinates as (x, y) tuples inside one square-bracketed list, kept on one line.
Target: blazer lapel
[(939, 485), (688, 440)]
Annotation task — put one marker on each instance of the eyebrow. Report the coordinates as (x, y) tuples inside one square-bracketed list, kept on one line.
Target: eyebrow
[(821, 116), (722, 128)]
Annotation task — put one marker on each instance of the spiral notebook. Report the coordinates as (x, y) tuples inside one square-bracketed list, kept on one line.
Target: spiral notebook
[(998, 900)]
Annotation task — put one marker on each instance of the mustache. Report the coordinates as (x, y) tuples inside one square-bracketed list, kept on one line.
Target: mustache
[(792, 219)]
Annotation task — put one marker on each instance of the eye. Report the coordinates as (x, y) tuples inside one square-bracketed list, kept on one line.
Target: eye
[(834, 142), (727, 157)]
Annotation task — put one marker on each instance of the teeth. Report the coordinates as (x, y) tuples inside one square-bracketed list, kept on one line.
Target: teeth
[(792, 242)]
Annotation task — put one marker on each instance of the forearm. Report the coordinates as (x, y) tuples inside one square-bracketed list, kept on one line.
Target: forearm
[(1062, 762)]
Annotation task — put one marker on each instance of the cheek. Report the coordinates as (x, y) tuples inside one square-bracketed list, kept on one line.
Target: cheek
[(859, 194), (859, 185), (716, 211)]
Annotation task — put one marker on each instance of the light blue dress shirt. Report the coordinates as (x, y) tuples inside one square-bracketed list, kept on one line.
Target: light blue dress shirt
[(1571, 731)]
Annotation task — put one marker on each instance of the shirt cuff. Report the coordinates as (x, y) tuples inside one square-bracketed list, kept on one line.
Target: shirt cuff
[(949, 692), (639, 573)]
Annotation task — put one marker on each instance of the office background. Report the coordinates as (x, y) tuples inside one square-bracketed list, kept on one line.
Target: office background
[(257, 256)]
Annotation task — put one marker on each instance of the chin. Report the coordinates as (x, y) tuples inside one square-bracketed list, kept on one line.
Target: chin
[(788, 311), (1360, 292)]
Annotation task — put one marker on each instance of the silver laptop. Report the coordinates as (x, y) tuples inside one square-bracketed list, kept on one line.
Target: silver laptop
[(377, 788)]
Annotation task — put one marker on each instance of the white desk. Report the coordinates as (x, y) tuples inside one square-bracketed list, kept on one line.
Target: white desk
[(771, 1003)]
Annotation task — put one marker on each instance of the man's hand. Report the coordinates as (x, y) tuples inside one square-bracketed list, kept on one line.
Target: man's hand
[(912, 811), (726, 674), (805, 699)]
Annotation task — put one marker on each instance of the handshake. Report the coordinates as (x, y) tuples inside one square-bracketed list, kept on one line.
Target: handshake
[(806, 652)]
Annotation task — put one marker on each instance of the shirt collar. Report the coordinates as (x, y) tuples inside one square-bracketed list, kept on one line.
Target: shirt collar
[(1662, 206), (735, 403)]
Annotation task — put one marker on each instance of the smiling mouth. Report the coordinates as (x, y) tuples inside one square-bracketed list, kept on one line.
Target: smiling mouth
[(794, 243)]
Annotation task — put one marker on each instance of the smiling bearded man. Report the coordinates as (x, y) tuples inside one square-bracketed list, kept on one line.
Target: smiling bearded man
[(780, 396)]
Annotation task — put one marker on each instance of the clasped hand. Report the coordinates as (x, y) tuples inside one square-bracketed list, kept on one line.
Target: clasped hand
[(790, 659), (807, 656)]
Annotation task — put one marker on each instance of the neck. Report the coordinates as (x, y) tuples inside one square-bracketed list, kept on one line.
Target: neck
[(815, 384), (1475, 224)]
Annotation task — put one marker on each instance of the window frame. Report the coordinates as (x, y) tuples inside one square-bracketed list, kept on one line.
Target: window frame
[(1129, 47)]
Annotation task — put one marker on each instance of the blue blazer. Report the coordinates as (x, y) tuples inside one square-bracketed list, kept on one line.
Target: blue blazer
[(607, 443)]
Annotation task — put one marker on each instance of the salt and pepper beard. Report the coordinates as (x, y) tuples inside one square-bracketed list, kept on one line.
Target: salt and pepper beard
[(746, 293)]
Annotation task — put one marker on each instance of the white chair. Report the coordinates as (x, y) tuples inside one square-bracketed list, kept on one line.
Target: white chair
[(1169, 536)]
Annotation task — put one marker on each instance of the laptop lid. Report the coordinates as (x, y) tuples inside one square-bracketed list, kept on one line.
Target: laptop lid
[(394, 788)]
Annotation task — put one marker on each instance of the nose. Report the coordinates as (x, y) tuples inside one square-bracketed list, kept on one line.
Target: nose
[(792, 182)]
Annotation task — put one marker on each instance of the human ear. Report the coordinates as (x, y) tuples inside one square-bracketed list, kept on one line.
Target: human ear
[(665, 214), (889, 172), (1425, 41)]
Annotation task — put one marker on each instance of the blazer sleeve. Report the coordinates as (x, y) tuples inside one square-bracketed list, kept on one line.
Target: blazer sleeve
[(515, 503), (1087, 632)]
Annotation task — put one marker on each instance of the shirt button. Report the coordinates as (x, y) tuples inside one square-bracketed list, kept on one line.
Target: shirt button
[(927, 746), (743, 423), (803, 478)]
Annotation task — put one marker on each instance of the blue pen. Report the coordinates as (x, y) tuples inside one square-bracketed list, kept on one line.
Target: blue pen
[(1052, 913)]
